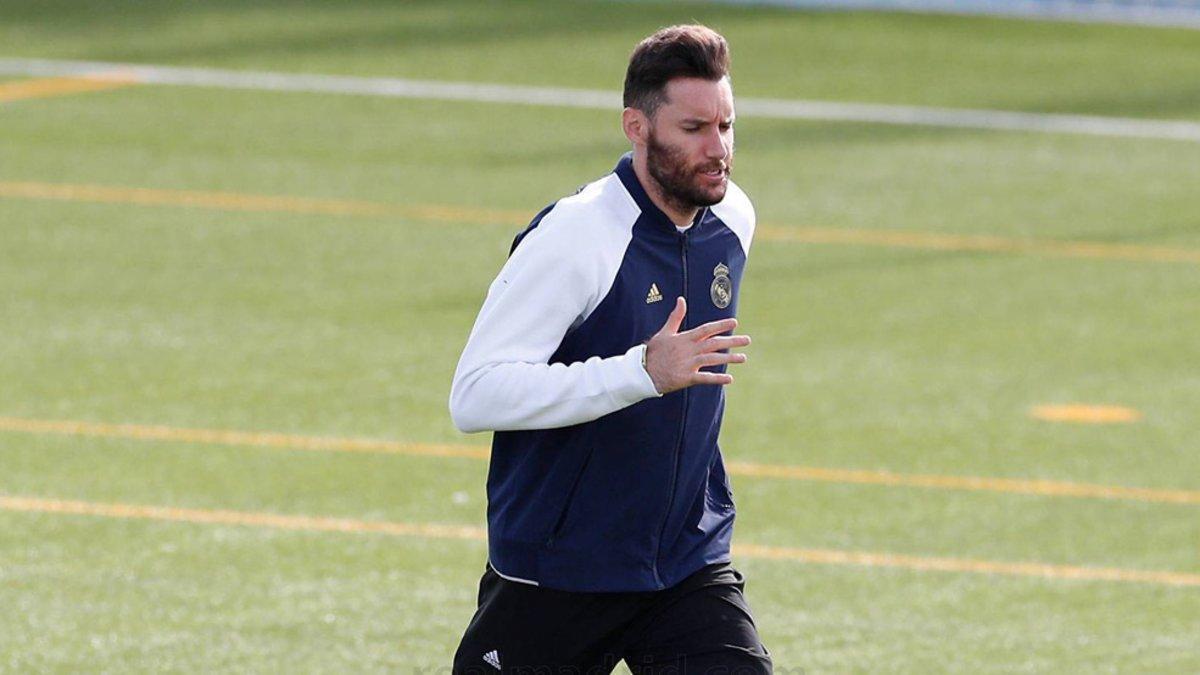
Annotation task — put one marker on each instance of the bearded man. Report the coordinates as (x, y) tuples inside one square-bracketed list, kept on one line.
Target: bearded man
[(599, 360)]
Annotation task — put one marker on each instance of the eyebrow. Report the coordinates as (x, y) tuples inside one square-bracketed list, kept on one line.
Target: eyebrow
[(701, 120)]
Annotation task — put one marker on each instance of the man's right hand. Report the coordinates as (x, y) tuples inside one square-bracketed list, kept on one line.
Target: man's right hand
[(674, 359)]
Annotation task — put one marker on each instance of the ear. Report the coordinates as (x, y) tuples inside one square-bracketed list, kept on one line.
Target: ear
[(636, 126)]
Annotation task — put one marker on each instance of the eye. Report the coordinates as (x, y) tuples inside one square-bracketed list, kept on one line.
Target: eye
[(726, 127)]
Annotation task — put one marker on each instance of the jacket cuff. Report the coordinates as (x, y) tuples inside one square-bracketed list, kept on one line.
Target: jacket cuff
[(635, 384)]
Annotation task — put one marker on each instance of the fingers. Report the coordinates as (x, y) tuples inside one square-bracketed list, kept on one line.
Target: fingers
[(720, 342), (712, 328), (711, 378), (717, 358), (675, 320)]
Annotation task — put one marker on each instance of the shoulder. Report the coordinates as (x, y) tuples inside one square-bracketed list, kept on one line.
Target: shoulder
[(599, 209), (736, 211), (597, 219)]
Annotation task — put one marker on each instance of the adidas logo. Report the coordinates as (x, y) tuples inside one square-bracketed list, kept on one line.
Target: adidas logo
[(653, 295), (493, 659)]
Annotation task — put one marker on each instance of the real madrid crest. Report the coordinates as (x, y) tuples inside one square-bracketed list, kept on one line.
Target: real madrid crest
[(722, 288)]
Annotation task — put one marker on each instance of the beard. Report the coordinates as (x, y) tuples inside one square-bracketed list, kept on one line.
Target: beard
[(682, 184)]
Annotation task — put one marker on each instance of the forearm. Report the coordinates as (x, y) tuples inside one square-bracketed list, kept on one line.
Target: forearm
[(512, 396)]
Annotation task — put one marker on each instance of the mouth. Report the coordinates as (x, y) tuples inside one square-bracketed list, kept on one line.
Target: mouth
[(716, 175)]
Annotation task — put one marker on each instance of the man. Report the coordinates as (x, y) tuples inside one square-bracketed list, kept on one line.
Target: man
[(599, 360)]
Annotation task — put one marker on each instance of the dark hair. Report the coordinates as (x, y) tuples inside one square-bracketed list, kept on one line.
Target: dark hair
[(677, 51)]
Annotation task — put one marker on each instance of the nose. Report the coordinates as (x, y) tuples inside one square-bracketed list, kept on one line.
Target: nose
[(715, 147)]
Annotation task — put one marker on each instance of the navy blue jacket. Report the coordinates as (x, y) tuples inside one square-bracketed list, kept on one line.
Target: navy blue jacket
[(597, 482)]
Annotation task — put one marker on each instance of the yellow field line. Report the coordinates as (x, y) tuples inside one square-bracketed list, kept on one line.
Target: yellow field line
[(447, 531), (227, 437), (232, 201), (1027, 569), (224, 517), (988, 244), (1085, 413), (61, 86), (1045, 488)]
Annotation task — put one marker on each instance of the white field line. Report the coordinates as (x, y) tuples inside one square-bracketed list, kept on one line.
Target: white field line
[(1160, 13), (1177, 130)]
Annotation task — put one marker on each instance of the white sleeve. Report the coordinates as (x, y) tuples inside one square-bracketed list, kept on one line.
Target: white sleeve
[(736, 211), (504, 381)]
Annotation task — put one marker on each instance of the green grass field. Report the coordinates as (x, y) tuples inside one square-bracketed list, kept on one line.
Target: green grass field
[(912, 359)]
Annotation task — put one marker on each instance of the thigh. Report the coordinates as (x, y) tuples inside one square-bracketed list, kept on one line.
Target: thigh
[(703, 625), (527, 629)]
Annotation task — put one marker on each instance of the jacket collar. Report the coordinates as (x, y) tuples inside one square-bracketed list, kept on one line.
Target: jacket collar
[(629, 179)]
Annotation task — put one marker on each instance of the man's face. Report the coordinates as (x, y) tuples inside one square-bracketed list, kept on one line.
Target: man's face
[(689, 151)]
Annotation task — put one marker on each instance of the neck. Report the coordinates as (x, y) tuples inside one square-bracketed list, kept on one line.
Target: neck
[(681, 215)]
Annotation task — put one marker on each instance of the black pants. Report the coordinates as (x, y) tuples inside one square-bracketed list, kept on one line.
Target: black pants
[(700, 626)]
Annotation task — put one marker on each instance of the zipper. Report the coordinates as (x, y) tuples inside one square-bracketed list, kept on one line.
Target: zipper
[(683, 249)]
